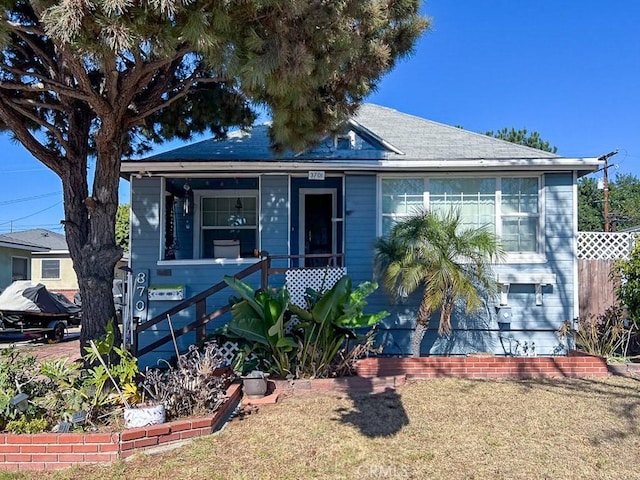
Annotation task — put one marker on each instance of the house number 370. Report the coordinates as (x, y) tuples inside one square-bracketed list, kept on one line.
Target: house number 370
[(140, 292)]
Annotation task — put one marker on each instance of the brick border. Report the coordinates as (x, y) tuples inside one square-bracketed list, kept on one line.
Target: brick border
[(341, 385), (51, 451), (575, 365)]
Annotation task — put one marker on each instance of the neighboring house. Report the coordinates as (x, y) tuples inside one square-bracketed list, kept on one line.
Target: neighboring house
[(51, 263), (15, 259), (207, 209)]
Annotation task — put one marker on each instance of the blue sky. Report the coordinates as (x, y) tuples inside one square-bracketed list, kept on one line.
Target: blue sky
[(567, 69)]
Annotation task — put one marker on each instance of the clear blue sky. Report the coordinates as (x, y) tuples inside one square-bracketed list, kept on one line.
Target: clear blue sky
[(567, 69)]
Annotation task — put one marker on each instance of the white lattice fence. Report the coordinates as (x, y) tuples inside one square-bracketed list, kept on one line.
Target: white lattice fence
[(298, 280), (319, 279), (605, 245)]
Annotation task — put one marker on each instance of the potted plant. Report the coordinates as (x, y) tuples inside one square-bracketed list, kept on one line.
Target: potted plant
[(254, 384)]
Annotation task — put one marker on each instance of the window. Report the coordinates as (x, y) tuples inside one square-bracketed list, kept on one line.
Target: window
[(474, 198), (520, 216), (19, 269), (229, 218), (400, 198), (507, 205), (51, 269)]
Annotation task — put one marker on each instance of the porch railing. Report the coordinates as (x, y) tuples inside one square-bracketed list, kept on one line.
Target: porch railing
[(202, 318)]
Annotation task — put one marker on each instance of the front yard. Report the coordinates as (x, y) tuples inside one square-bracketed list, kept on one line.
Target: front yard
[(437, 429)]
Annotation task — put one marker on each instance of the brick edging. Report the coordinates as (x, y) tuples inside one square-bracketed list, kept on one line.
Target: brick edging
[(575, 365), (50, 451)]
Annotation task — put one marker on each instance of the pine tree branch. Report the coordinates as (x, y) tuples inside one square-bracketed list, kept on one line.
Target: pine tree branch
[(79, 73), (49, 85), (39, 53), (26, 113), (19, 27), (24, 136), (35, 103), (150, 107)]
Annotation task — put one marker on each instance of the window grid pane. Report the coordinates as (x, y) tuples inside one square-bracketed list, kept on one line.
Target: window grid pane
[(232, 211), (50, 268), (520, 215), (229, 218), (473, 198)]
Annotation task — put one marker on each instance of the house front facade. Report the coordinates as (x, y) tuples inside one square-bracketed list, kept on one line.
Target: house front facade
[(217, 207)]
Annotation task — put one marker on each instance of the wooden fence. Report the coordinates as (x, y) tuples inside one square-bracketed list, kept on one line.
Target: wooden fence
[(597, 252)]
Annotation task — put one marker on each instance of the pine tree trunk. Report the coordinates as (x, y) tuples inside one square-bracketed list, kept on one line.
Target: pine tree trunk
[(90, 233)]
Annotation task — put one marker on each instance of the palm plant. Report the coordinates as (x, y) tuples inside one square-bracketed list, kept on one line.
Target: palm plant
[(449, 260)]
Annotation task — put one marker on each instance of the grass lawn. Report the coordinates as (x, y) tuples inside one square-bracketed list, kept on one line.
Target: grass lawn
[(437, 429)]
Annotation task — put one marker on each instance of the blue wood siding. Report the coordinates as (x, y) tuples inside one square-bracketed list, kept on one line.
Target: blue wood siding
[(530, 324), (274, 216), (146, 235), (476, 332)]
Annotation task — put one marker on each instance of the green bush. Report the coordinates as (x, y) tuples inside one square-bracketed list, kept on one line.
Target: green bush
[(25, 425), (320, 340), (19, 374)]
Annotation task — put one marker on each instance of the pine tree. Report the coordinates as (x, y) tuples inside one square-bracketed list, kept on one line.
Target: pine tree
[(83, 80)]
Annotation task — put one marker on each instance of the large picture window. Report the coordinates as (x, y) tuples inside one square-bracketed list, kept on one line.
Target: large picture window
[(509, 206), (228, 223)]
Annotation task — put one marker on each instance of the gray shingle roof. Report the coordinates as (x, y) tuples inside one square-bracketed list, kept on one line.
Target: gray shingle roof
[(419, 138), (383, 133), (39, 237)]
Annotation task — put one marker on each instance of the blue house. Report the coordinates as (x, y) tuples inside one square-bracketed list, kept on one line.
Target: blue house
[(232, 206)]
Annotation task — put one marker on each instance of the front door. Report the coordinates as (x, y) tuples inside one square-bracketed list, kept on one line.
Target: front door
[(317, 224)]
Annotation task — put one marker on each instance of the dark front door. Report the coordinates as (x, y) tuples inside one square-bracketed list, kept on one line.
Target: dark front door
[(317, 225)]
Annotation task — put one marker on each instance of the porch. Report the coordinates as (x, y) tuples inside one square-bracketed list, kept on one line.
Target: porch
[(204, 312)]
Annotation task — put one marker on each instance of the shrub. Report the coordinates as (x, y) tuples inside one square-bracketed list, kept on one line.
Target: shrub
[(196, 385), (321, 340), (606, 335)]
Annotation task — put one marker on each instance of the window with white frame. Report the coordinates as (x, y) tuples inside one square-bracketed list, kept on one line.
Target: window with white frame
[(50, 269), (227, 223), (519, 214), (509, 206)]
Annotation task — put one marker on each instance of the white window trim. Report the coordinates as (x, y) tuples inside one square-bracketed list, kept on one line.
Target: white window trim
[(59, 277), (197, 218), (510, 257)]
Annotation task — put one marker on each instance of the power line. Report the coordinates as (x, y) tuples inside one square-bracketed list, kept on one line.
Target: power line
[(26, 199), (32, 214)]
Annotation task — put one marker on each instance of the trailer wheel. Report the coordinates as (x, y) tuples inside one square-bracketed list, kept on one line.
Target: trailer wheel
[(57, 333)]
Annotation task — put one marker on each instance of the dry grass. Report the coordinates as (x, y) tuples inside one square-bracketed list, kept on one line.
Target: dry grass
[(439, 429)]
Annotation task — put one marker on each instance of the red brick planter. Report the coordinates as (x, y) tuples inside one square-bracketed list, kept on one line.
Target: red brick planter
[(340, 385), (576, 365), (49, 451)]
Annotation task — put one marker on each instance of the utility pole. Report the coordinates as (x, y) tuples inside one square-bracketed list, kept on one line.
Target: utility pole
[(605, 184)]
